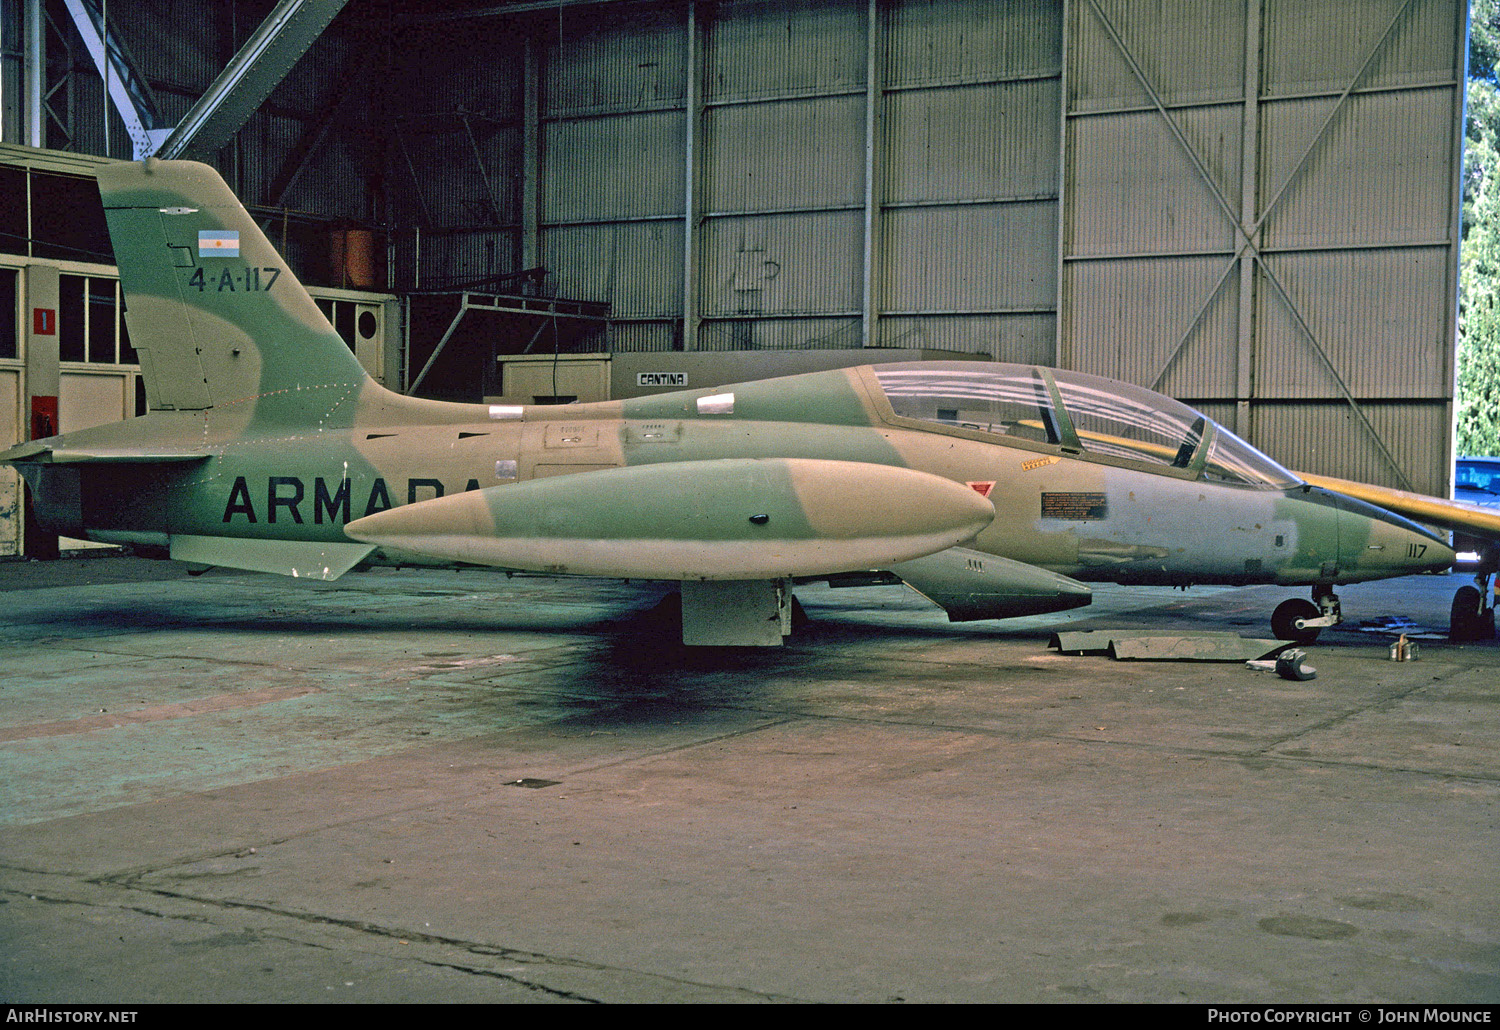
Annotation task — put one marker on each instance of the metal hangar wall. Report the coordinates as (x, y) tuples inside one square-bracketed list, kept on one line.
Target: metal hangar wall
[(1251, 205)]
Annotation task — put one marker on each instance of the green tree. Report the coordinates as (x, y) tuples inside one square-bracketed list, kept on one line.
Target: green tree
[(1478, 401), (1478, 404)]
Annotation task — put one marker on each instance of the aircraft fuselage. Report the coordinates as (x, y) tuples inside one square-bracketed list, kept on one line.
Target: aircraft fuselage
[(1076, 517)]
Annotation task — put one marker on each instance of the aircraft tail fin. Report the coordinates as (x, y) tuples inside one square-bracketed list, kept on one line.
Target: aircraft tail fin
[(214, 312)]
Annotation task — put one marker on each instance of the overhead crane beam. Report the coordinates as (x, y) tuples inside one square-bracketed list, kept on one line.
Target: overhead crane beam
[(265, 59)]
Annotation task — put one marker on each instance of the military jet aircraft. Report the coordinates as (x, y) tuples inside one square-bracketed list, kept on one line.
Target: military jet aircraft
[(994, 489)]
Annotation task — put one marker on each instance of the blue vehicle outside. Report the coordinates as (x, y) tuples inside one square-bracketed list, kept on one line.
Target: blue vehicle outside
[(1475, 481)]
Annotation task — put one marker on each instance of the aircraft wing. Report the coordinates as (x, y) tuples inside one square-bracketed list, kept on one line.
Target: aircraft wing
[(1432, 511)]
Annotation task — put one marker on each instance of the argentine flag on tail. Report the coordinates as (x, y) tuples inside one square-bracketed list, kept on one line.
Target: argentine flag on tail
[(218, 243)]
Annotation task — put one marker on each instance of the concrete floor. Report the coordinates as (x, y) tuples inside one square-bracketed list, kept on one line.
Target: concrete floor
[(434, 786)]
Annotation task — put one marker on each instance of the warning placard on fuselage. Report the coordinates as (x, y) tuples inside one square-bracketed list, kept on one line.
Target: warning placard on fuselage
[(1075, 506)]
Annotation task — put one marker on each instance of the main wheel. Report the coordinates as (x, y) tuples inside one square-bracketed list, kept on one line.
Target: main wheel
[(1284, 620), (1468, 618)]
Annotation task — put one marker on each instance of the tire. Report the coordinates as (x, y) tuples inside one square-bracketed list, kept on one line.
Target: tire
[(1467, 617), (1284, 621)]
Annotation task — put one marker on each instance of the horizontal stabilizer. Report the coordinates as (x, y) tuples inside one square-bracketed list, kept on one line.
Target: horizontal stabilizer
[(37, 451), (727, 519), (972, 585), (301, 559), (1430, 511)]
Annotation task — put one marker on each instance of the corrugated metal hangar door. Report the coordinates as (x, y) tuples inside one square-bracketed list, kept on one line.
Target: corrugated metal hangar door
[(1249, 204), (1261, 217)]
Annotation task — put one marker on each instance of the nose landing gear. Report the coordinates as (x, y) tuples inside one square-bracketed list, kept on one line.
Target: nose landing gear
[(1302, 621)]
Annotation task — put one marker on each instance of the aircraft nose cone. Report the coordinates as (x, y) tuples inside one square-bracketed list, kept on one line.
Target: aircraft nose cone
[(1401, 545), (1378, 543)]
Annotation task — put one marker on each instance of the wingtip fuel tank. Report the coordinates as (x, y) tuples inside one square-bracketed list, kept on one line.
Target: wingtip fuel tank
[(722, 519)]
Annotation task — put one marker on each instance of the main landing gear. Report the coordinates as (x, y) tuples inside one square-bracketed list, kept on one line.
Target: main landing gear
[(1301, 621), (1473, 613), (1472, 616)]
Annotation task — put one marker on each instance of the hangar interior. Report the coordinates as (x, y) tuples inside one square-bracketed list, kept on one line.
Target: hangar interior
[(1250, 205)]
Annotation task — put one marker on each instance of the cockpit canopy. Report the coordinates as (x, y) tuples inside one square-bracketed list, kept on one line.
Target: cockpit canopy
[(1073, 411)]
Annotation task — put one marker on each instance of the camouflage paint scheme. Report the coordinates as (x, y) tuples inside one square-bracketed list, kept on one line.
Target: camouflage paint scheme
[(267, 447)]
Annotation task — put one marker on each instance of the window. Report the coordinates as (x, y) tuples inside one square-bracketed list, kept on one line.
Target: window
[(72, 318), (1104, 418), (1008, 400), (10, 346), (1232, 460), (101, 322), (14, 238), (340, 313), (1117, 420), (89, 324), (67, 219), (1479, 475)]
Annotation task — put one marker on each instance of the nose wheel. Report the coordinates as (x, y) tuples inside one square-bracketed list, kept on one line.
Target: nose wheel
[(1301, 621), (1473, 614)]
